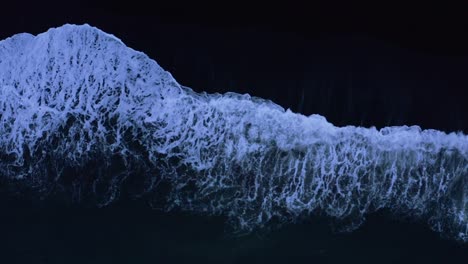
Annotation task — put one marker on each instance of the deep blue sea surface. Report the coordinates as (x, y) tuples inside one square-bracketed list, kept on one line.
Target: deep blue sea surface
[(130, 232)]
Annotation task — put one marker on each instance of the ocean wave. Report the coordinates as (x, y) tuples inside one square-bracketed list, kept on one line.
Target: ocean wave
[(83, 115)]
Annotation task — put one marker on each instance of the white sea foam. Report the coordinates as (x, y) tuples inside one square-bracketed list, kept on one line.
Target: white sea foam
[(76, 97)]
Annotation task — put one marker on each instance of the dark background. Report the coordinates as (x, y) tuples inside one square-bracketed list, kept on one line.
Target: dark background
[(364, 64)]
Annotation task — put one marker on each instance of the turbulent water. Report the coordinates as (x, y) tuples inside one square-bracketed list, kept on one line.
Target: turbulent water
[(85, 117)]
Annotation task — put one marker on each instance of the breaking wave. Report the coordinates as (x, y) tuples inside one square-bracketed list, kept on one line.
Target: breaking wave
[(84, 116)]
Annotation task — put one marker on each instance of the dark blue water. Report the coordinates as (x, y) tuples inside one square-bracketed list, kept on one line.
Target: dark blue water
[(130, 232)]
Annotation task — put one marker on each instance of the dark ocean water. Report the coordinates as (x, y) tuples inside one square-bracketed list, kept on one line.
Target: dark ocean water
[(130, 232)]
